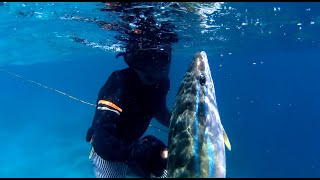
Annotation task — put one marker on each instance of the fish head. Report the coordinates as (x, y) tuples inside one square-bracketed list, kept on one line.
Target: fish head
[(199, 74), (200, 68)]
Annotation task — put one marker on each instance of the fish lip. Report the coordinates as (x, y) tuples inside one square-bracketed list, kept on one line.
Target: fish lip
[(201, 61), (203, 56)]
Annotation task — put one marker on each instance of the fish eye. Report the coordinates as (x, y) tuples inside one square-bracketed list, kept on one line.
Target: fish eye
[(202, 80), (188, 104)]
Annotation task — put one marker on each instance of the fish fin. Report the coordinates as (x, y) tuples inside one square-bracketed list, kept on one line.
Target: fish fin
[(226, 139)]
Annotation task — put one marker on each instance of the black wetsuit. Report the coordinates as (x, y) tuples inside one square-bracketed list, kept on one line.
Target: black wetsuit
[(114, 134)]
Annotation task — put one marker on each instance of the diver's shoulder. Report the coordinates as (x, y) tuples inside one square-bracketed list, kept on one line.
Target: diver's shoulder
[(123, 74), (125, 70)]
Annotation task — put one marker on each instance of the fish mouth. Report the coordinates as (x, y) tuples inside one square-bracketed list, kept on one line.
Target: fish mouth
[(201, 61)]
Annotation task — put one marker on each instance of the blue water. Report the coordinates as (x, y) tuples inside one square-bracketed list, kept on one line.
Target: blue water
[(267, 94)]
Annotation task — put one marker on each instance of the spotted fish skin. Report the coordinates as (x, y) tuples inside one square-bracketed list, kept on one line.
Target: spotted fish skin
[(196, 137)]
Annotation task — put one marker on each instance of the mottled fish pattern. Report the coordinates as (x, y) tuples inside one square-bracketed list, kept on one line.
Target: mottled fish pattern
[(196, 135)]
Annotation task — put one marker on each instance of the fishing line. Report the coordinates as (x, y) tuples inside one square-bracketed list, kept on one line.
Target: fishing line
[(46, 87), (60, 92)]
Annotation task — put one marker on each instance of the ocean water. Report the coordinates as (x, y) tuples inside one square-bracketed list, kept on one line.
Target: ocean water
[(264, 59)]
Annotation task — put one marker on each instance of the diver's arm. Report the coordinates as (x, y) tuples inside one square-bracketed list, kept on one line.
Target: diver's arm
[(165, 120), (104, 142), (164, 114), (106, 118)]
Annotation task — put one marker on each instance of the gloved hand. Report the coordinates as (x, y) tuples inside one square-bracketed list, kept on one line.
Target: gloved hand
[(146, 157)]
